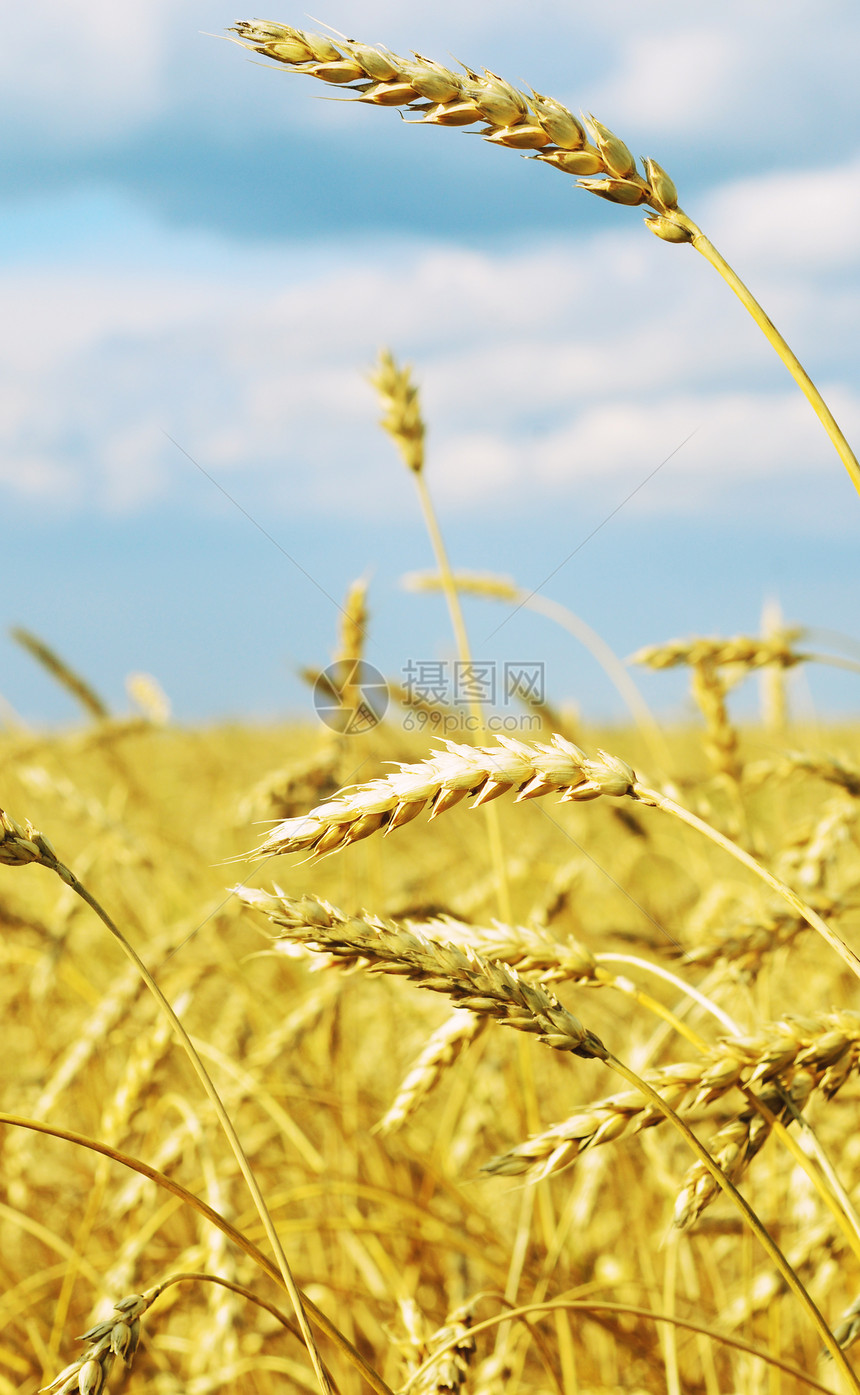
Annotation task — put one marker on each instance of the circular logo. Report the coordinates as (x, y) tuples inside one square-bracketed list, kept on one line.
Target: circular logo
[(351, 697)]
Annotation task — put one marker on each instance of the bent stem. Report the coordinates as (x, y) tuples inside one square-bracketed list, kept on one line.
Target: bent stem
[(225, 1122), (662, 801), (588, 1305), (768, 1244), (707, 249)]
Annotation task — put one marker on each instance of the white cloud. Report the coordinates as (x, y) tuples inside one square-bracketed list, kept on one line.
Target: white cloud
[(804, 220), (85, 68), (556, 369), (670, 82)]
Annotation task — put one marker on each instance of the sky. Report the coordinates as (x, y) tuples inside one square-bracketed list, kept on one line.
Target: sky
[(201, 256)]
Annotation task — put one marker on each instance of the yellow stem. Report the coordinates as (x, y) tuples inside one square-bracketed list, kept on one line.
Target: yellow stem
[(707, 249), (461, 639), (226, 1124)]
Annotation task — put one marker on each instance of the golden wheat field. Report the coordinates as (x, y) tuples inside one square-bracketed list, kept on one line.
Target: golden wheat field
[(412, 1053)]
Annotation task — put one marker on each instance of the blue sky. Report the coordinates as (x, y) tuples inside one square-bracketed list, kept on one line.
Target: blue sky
[(200, 257)]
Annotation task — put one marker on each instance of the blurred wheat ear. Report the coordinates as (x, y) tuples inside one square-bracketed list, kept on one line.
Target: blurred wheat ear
[(531, 123)]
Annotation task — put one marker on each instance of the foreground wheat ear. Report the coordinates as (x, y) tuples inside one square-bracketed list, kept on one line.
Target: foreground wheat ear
[(530, 123)]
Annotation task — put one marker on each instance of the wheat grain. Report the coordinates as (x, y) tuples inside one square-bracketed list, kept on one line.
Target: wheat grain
[(446, 779)]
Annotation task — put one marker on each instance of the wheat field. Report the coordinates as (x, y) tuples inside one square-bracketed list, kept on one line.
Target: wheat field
[(262, 1127)]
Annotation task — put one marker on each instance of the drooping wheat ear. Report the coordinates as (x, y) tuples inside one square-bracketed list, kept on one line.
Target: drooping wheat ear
[(443, 781), (834, 770), (815, 1053), (806, 864), (481, 985), (734, 1146), (716, 665), (59, 669), (441, 97), (449, 1372), (530, 123), (402, 420), (117, 1337), (747, 944)]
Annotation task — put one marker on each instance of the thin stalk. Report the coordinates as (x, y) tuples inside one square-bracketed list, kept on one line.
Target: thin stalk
[(226, 1124), (461, 638), (612, 667), (661, 801), (587, 1305), (707, 249)]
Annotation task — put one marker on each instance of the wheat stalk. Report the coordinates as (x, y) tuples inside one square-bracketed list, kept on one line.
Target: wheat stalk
[(531, 123)]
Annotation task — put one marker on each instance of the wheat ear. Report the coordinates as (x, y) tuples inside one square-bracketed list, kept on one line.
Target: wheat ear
[(482, 985), (530, 123), (117, 1337)]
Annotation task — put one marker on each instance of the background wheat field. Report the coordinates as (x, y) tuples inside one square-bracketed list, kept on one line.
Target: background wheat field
[(449, 1039)]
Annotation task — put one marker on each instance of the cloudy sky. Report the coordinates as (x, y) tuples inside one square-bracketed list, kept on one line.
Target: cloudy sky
[(201, 257)]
